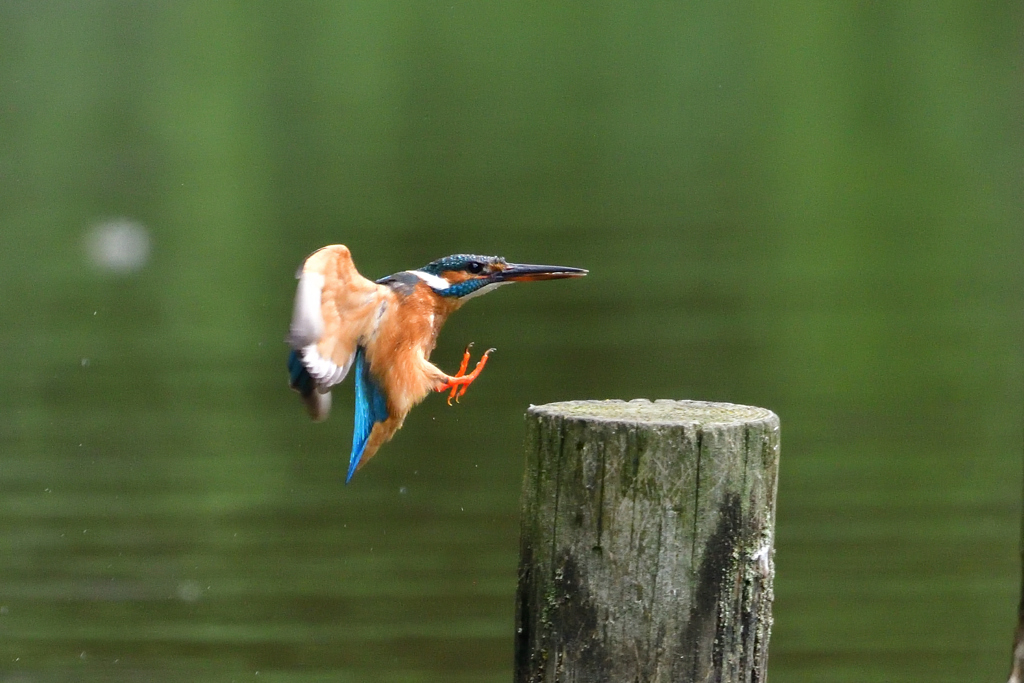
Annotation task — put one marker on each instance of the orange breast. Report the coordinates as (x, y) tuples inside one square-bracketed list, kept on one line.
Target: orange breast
[(401, 347)]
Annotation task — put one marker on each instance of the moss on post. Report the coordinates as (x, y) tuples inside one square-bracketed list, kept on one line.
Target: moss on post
[(647, 542)]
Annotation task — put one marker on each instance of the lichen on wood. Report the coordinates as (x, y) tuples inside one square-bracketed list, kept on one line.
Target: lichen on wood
[(647, 542)]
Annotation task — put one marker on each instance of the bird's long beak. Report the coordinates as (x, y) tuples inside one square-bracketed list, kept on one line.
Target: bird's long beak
[(526, 272)]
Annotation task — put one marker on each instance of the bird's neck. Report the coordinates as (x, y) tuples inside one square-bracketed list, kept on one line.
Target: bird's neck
[(427, 305), (442, 307)]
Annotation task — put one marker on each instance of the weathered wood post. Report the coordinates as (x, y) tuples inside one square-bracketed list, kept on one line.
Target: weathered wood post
[(1017, 661), (647, 542)]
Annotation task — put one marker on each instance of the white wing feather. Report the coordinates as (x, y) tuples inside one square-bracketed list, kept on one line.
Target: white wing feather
[(352, 301), (307, 321)]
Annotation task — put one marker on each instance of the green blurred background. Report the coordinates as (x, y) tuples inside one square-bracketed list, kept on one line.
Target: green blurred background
[(812, 207)]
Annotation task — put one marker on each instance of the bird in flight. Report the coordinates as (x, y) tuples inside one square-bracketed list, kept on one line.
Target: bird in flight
[(386, 329)]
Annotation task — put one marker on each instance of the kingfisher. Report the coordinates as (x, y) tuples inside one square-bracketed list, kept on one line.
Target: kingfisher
[(387, 330)]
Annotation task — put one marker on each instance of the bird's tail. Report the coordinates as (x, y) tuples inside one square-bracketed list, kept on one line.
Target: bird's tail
[(318, 403)]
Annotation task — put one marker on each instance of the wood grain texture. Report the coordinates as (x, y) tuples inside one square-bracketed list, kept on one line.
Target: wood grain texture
[(647, 542)]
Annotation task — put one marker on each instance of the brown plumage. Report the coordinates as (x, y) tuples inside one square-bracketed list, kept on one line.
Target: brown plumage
[(387, 329)]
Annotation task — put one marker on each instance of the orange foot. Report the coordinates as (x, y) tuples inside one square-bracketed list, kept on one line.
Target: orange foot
[(461, 381)]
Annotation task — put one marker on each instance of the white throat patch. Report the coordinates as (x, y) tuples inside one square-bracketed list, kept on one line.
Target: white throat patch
[(484, 290)]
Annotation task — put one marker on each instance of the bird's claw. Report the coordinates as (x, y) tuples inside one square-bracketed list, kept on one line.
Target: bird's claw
[(465, 361), (461, 381)]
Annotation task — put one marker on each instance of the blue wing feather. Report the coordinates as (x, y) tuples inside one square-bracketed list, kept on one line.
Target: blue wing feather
[(299, 377), (371, 408)]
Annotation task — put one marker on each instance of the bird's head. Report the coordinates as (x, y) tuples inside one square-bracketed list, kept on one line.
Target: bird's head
[(464, 276)]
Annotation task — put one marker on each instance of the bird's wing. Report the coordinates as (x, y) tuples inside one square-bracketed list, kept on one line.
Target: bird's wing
[(371, 408), (335, 308)]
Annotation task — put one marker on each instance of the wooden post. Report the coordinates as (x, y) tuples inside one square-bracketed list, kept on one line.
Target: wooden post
[(647, 542), (1017, 661)]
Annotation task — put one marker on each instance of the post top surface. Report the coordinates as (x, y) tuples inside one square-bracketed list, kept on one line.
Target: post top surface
[(662, 411)]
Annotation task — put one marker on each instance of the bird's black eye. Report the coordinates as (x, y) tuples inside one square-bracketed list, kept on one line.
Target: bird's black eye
[(475, 267)]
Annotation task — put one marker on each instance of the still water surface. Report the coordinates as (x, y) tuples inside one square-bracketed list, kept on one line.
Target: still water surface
[(194, 525), (812, 210)]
